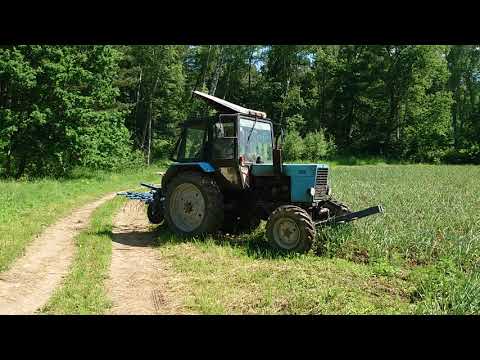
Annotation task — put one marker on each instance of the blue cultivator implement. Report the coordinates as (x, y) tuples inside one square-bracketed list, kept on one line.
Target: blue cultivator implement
[(146, 197), (228, 174), (152, 198)]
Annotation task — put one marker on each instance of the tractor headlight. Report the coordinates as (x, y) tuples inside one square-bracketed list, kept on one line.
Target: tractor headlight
[(312, 191)]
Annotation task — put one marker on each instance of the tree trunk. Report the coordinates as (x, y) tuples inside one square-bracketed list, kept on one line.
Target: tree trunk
[(455, 120), (201, 73), (137, 102), (349, 129), (21, 167), (8, 164), (218, 70), (227, 86), (206, 67), (149, 110), (149, 133), (287, 86), (250, 58), (145, 126), (321, 90)]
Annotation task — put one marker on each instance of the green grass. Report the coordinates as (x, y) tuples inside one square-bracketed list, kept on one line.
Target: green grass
[(28, 207), (243, 276), (421, 256), (83, 291)]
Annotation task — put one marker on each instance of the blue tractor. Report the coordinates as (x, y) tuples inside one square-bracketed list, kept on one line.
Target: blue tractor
[(228, 175)]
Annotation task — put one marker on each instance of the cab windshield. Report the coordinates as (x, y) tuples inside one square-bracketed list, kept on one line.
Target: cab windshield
[(255, 140)]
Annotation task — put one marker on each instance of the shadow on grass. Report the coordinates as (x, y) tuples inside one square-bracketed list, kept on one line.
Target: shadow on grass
[(254, 244), (134, 238)]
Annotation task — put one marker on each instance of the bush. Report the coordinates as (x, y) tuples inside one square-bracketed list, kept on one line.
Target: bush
[(105, 144), (463, 156), (317, 146), (293, 146), (163, 147)]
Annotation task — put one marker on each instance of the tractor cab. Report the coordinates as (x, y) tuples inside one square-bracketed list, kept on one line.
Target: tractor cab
[(230, 142)]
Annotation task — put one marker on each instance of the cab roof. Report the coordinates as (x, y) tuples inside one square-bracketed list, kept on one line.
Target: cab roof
[(227, 107)]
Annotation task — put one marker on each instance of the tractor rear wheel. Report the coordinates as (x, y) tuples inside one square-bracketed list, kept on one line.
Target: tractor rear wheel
[(291, 228), (193, 204)]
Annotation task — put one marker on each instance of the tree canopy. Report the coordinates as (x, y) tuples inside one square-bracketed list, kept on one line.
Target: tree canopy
[(108, 107)]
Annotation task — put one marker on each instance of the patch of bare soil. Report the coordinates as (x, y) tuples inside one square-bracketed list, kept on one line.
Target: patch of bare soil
[(29, 283), (138, 282)]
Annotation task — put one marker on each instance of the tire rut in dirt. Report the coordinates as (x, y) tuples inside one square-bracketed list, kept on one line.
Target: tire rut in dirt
[(29, 283), (138, 277)]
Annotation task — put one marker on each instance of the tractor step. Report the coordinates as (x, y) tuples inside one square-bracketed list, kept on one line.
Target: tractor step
[(352, 216)]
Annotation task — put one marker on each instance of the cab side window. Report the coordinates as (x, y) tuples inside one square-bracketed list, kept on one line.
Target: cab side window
[(223, 144), (191, 146)]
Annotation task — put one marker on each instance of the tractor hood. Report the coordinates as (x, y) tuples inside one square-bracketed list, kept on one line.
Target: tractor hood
[(303, 177), (227, 107), (301, 170)]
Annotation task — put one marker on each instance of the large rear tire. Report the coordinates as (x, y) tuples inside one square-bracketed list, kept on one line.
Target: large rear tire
[(193, 204), (290, 228)]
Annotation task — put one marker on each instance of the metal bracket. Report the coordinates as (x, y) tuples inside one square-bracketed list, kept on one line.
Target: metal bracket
[(352, 216)]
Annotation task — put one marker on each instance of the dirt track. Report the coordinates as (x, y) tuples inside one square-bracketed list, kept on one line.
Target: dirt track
[(27, 286), (138, 277)]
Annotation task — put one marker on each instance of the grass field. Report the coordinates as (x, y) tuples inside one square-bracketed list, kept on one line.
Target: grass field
[(28, 207), (421, 257)]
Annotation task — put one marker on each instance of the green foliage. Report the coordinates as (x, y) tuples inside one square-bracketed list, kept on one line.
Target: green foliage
[(64, 106), (57, 109), (317, 146), (163, 147), (293, 146)]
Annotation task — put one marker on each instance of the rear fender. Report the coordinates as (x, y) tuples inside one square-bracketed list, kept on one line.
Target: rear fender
[(176, 168)]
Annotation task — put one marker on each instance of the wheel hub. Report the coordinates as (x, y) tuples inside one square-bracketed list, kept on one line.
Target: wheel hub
[(286, 233), (187, 207)]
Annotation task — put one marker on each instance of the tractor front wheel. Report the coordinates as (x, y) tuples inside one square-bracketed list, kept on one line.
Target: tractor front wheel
[(291, 228)]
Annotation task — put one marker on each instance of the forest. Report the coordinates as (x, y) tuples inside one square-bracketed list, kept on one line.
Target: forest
[(118, 106)]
